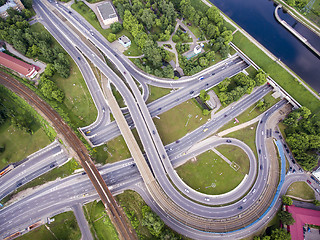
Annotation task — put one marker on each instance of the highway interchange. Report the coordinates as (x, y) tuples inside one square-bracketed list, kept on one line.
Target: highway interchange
[(126, 175)]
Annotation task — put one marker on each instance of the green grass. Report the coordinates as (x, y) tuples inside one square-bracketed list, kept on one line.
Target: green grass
[(19, 144), (132, 203), (63, 171), (237, 155), (301, 190), (117, 150), (133, 50), (100, 224), (78, 101), (64, 227), (156, 93), (251, 71), (251, 112), (209, 169), (247, 135), (279, 74), (199, 5), (171, 125)]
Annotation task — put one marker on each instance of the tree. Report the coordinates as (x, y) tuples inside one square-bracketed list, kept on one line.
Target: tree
[(214, 15), (175, 38), (205, 112), (168, 72), (286, 218), (316, 202), (210, 56), (204, 96), (203, 62), (280, 234), (227, 35), (204, 23), (50, 70), (292, 3), (260, 78), (305, 112), (223, 86), (287, 200), (111, 37), (211, 30), (116, 27), (58, 95), (147, 18), (224, 51), (140, 39), (152, 222)]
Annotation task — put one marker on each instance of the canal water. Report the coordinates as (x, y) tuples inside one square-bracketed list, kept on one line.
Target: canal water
[(257, 18)]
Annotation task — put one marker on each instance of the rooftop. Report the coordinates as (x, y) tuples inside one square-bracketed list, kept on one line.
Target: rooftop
[(124, 39), (16, 64), (106, 10), (8, 4)]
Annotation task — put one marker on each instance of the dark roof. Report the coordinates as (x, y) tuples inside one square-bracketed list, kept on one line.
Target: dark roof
[(302, 216), (16, 64)]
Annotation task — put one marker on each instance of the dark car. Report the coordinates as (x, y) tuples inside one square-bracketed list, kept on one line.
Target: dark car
[(259, 151), (84, 173), (293, 171), (240, 207), (313, 178), (124, 72), (70, 12), (153, 131), (290, 169), (19, 184), (293, 161), (191, 92), (163, 156), (287, 150), (225, 115), (52, 165), (159, 109), (228, 141), (133, 165), (213, 74), (79, 58), (276, 131), (177, 141), (308, 181), (261, 167), (280, 137)]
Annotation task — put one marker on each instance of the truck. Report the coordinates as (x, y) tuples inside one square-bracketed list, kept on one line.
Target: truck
[(6, 170)]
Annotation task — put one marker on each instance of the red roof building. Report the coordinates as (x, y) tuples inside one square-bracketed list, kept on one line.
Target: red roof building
[(302, 216), (17, 65)]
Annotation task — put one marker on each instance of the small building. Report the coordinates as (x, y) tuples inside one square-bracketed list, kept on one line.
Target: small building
[(15, 4), (25, 69), (107, 13), (197, 49), (125, 41)]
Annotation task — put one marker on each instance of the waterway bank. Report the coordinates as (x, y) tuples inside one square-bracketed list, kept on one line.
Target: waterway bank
[(256, 17)]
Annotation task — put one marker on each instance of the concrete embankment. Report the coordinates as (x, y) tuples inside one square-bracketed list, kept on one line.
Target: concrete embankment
[(294, 32)]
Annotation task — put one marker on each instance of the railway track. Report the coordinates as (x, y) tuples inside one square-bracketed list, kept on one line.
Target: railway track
[(115, 212)]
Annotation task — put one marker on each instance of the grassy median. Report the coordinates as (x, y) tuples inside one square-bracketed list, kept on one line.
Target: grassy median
[(65, 226), (301, 190), (210, 174)]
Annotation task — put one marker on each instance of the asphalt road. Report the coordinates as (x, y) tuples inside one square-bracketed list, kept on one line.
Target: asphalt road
[(33, 166)]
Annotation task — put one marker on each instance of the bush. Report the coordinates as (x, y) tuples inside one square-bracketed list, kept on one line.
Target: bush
[(112, 37)]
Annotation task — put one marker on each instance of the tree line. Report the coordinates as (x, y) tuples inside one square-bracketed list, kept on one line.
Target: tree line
[(303, 137)]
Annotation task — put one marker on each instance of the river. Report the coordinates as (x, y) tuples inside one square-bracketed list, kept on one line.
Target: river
[(257, 18)]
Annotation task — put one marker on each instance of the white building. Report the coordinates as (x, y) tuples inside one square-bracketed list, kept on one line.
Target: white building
[(107, 13), (316, 173), (125, 41), (197, 49)]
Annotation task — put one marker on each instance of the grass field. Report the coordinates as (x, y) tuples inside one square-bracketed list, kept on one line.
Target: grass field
[(210, 174), (301, 190), (19, 144), (178, 121), (237, 155), (280, 75), (78, 101), (157, 92), (251, 112), (132, 203), (247, 135), (65, 227), (99, 222)]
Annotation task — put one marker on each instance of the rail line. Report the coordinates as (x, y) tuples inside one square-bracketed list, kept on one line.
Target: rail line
[(115, 212)]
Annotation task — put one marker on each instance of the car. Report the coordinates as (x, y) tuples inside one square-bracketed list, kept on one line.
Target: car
[(293, 171), (103, 110), (88, 132), (240, 207), (276, 131), (280, 137), (261, 167), (186, 190), (262, 133), (159, 109), (225, 115), (259, 151), (261, 121), (287, 150), (207, 199), (244, 200), (191, 92), (290, 169), (313, 178), (308, 181), (212, 74), (228, 141), (79, 58), (293, 161), (52, 165), (84, 173), (285, 146), (153, 131), (177, 141), (207, 84), (19, 184), (92, 34), (69, 12), (163, 156), (201, 78), (254, 190), (133, 165), (206, 129), (300, 170), (317, 190)]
